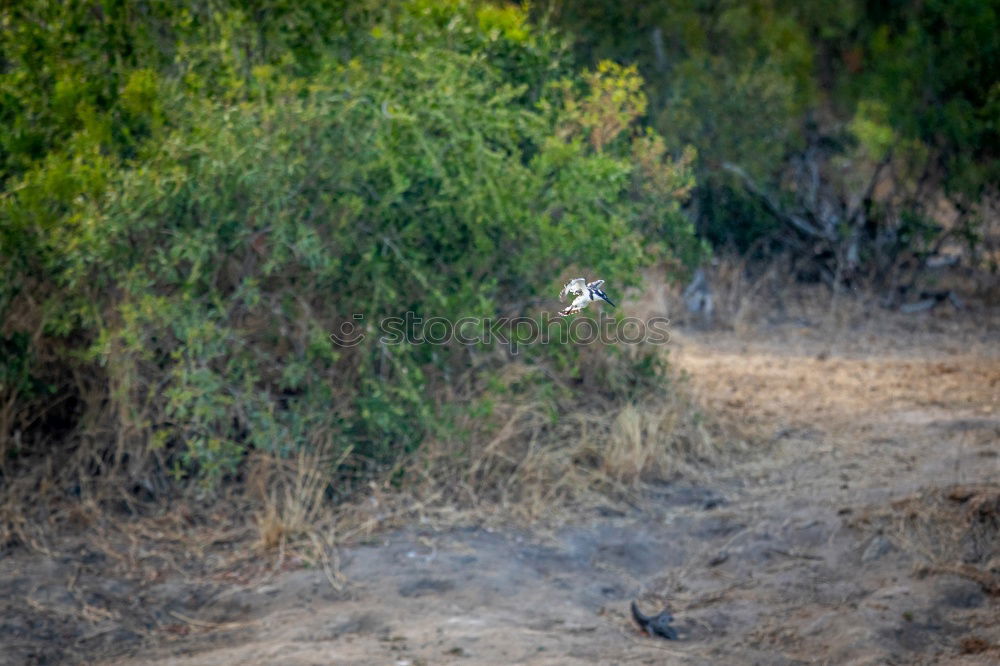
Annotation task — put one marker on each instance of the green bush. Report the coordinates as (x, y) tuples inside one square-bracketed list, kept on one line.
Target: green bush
[(438, 158)]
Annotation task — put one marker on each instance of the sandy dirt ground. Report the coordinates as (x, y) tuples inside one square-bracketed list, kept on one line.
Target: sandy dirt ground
[(866, 531)]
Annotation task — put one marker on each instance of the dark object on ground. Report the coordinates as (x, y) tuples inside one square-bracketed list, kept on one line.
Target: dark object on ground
[(656, 625)]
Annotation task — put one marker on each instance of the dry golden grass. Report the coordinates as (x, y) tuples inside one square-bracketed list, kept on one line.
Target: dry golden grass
[(527, 462), (289, 495), (529, 468), (749, 296), (952, 530), (533, 466), (539, 463)]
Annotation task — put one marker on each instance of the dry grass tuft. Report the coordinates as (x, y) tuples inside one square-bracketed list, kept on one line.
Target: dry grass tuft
[(534, 462), (976, 645), (290, 495), (953, 530), (751, 295), (654, 440)]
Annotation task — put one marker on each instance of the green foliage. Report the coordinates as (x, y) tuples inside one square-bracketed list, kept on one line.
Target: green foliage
[(730, 78), (201, 211), (760, 83), (613, 101), (934, 67), (873, 129)]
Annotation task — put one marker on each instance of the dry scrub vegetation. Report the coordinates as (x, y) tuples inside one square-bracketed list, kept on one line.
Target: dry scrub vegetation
[(952, 530), (793, 372), (170, 314), (528, 460), (284, 514), (533, 464)]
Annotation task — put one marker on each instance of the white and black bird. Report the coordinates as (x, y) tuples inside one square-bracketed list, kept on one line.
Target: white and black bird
[(585, 292)]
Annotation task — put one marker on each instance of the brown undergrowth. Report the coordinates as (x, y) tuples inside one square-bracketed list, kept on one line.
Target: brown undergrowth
[(527, 460), (540, 462), (284, 514), (749, 294), (951, 530), (531, 465)]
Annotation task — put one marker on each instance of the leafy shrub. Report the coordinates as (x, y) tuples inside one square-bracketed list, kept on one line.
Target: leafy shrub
[(259, 202)]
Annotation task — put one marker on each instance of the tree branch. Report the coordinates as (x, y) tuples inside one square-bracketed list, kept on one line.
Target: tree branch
[(774, 208)]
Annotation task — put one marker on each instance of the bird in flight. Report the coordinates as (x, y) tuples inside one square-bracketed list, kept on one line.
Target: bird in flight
[(585, 293)]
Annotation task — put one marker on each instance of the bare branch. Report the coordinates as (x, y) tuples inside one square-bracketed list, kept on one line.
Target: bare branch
[(859, 207), (774, 208)]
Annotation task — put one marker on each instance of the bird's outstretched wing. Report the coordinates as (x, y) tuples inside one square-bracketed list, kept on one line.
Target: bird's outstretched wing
[(595, 289), (574, 286), (604, 297)]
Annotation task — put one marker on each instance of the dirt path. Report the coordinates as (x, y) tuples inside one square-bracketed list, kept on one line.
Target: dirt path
[(822, 550), (779, 560)]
